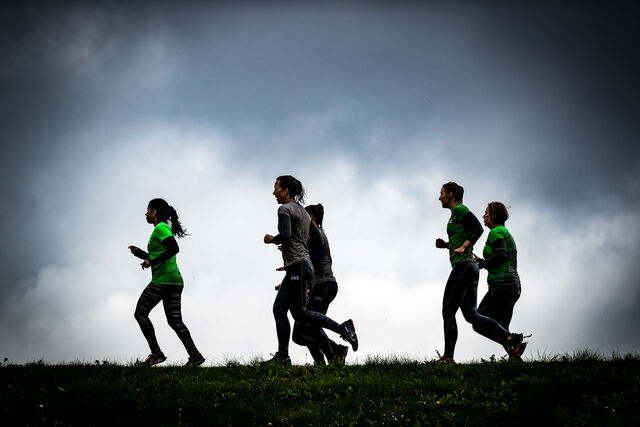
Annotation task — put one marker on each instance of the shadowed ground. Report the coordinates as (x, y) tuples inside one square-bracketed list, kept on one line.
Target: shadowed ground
[(576, 390)]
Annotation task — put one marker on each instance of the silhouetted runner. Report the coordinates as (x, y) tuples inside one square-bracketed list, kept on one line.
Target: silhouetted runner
[(501, 261), (166, 281), (294, 227), (461, 289), (323, 291)]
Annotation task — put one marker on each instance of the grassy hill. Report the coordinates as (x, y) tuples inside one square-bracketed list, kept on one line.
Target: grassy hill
[(577, 390)]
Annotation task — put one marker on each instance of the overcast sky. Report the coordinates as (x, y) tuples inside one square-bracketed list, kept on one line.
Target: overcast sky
[(373, 107)]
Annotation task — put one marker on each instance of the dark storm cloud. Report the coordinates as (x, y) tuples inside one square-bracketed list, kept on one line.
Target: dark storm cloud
[(586, 133), (562, 76), (407, 68), (615, 321)]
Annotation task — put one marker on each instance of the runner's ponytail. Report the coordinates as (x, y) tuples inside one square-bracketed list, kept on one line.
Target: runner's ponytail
[(176, 226), (317, 211), (166, 213)]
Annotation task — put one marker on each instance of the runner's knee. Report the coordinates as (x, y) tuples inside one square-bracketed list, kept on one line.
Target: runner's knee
[(279, 311), (140, 314), (470, 315), (297, 337)]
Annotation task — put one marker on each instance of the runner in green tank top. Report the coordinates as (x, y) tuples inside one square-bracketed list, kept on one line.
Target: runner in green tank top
[(501, 261), (166, 281)]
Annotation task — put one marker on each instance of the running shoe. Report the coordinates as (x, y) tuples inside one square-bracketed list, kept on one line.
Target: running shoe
[(195, 360), (155, 358), (278, 359), (518, 357), (341, 355), (350, 334), (444, 359), (514, 346)]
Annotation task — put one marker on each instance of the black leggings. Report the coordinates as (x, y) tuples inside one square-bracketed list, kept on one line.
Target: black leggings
[(498, 304), (170, 295), (461, 293), (315, 339), (291, 297)]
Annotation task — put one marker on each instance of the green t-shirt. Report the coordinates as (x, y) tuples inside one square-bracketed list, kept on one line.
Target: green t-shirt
[(165, 273), (458, 234), (508, 269)]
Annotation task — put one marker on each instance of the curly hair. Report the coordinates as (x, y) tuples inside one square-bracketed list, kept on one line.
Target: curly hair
[(498, 213)]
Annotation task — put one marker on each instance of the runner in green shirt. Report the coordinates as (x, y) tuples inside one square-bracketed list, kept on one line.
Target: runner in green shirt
[(501, 261), (166, 281), (463, 230)]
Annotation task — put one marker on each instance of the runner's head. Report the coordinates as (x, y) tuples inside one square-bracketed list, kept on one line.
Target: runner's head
[(495, 214), (288, 188), (451, 195), (163, 212), (316, 212)]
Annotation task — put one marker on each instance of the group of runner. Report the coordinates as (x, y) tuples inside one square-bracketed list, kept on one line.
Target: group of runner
[(492, 318), (309, 285)]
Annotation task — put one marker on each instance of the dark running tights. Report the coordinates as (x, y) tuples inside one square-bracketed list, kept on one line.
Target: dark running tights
[(170, 295), (291, 297), (498, 304), (316, 340), (461, 293)]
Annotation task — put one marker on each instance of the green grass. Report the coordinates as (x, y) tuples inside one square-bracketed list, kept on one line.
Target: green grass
[(579, 389)]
